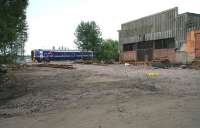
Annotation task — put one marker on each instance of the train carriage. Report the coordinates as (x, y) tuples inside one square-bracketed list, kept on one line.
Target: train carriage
[(40, 55)]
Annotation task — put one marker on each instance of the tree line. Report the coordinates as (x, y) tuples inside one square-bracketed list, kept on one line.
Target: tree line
[(13, 29), (89, 38), (13, 34)]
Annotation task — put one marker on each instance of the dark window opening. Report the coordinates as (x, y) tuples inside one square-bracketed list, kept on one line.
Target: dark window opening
[(145, 45), (164, 43), (159, 44), (129, 47), (171, 43)]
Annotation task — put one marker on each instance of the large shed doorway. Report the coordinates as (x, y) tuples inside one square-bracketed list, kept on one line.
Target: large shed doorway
[(144, 51), (144, 54)]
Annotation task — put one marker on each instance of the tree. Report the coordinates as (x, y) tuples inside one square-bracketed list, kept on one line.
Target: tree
[(88, 36), (108, 50), (13, 27)]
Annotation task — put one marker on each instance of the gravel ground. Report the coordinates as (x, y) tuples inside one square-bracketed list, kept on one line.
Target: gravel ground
[(103, 97)]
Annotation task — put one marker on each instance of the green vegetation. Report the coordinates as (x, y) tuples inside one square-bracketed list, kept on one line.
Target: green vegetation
[(13, 29), (108, 51), (88, 37)]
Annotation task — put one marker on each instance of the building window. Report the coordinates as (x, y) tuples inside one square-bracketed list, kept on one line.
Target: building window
[(165, 43), (129, 47), (145, 45), (171, 43), (158, 44)]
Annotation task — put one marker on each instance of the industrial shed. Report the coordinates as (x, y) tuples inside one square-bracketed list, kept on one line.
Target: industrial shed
[(164, 35)]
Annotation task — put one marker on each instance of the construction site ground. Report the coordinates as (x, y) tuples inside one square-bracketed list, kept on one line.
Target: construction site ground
[(102, 96)]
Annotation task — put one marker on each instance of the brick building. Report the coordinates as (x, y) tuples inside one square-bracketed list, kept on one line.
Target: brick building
[(167, 35)]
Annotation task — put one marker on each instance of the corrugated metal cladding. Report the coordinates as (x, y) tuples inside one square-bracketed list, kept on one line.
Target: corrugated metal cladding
[(166, 24), (152, 27)]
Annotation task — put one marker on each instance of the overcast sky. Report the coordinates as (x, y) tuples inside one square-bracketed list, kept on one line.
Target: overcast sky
[(53, 22)]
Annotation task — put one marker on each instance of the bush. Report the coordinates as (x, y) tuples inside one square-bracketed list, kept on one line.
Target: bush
[(7, 59), (108, 51)]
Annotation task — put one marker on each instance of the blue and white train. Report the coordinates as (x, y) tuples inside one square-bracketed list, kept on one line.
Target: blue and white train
[(40, 55)]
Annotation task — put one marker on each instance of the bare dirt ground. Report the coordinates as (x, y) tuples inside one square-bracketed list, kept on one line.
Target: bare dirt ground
[(113, 96)]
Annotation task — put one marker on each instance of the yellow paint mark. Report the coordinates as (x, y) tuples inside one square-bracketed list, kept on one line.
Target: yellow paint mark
[(153, 74)]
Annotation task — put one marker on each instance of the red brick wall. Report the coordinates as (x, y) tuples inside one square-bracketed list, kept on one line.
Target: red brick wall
[(157, 54), (128, 56), (165, 53), (193, 43)]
